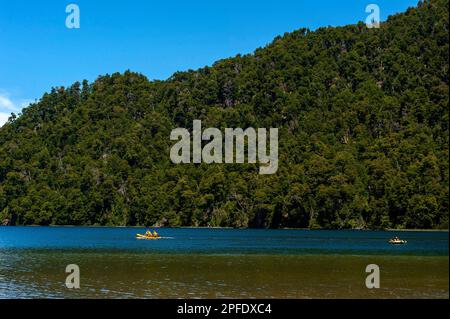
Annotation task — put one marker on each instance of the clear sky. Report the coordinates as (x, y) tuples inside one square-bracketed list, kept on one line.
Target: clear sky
[(154, 37)]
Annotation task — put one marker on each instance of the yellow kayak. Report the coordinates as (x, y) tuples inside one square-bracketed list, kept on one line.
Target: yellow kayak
[(140, 236)]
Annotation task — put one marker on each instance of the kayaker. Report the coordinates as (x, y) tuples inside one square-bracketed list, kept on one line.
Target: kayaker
[(148, 233), (155, 234)]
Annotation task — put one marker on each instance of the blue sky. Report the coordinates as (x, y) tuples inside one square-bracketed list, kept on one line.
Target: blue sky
[(153, 37)]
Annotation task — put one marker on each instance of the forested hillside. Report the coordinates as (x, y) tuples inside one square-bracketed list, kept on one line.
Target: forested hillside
[(363, 134)]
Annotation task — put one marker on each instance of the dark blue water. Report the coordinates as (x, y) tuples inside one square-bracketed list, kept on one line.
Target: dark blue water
[(225, 241)]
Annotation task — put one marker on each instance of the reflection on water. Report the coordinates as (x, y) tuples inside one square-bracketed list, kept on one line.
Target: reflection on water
[(219, 264)]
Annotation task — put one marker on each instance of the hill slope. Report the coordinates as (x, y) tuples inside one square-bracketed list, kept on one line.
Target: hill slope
[(363, 118)]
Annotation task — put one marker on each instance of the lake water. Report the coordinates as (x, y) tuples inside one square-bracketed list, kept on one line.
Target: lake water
[(220, 263)]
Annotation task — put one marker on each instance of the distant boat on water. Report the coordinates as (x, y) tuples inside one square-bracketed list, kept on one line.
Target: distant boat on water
[(397, 241)]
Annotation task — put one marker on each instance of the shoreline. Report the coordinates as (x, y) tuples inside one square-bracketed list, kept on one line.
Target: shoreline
[(199, 227)]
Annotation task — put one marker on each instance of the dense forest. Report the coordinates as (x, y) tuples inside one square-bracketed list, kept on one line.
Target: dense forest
[(363, 137)]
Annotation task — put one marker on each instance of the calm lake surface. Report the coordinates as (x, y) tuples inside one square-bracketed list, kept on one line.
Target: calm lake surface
[(220, 263)]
